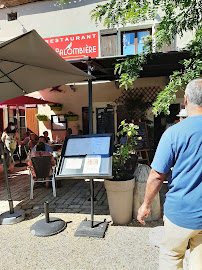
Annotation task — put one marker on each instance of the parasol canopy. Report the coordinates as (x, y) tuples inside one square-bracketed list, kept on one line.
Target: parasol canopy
[(25, 100), (28, 63)]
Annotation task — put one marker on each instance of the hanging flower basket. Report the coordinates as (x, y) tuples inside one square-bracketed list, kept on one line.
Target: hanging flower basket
[(71, 116), (56, 107), (42, 117)]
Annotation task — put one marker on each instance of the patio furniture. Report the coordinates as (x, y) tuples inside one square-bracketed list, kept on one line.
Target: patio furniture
[(56, 146), (42, 166)]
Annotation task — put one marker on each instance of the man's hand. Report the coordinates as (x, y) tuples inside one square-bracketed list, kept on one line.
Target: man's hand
[(143, 211)]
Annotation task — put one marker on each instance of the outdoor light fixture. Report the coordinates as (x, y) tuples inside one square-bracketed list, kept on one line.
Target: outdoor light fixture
[(72, 87)]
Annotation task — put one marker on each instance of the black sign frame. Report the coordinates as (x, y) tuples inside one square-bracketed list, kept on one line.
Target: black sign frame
[(84, 176), (142, 144)]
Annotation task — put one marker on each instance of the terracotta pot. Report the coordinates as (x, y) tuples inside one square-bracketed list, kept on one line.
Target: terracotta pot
[(120, 200)]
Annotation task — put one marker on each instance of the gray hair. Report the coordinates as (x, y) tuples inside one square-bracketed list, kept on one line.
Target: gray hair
[(194, 92)]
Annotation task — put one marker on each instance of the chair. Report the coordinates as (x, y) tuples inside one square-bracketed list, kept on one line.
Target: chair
[(15, 155), (42, 166)]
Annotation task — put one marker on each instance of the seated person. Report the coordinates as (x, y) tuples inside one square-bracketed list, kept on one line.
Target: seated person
[(40, 151), (45, 134), (69, 132), (47, 147), (26, 139), (80, 132), (32, 141)]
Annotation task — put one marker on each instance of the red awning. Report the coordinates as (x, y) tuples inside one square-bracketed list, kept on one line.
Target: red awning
[(25, 100)]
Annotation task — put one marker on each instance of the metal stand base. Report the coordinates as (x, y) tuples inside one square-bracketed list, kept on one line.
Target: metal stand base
[(98, 229), (20, 165), (47, 226), (42, 229), (9, 219)]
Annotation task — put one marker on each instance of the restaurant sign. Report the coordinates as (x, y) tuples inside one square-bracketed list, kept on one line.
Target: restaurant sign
[(75, 46)]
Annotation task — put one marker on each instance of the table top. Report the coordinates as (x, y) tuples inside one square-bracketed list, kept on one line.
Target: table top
[(56, 146)]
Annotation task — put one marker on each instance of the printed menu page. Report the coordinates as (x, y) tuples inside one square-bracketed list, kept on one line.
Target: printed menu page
[(73, 163), (92, 164)]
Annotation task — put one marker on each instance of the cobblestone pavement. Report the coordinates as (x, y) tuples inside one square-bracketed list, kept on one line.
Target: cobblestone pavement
[(73, 196)]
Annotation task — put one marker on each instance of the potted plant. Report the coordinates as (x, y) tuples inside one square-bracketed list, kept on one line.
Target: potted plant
[(120, 188), (41, 117), (70, 116), (56, 107)]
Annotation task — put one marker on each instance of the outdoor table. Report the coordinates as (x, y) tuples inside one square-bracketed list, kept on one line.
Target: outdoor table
[(56, 146)]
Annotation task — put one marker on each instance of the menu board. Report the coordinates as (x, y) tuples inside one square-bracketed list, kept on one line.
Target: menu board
[(86, 156), (142, 137)]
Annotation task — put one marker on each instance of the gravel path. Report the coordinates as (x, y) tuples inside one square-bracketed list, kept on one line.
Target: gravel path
[(124, 247)]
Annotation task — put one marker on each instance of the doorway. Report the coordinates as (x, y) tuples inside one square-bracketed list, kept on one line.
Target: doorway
[(105, 120), (85, 122)]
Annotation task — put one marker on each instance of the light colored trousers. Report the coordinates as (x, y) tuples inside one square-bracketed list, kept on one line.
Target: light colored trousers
[(174, 246)]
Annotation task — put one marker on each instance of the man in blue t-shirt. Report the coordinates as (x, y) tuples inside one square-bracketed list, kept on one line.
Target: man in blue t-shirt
[(180, 147)]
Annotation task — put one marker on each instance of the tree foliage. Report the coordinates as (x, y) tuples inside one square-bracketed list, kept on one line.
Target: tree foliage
[(178, 17), (179, 79)]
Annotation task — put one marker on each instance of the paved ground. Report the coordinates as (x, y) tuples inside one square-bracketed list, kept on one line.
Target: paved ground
[(124, 247)]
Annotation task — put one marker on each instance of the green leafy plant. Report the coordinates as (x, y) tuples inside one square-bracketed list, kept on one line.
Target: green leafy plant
[(123, 152), (178, 17), (70, 116), (42, 117), (56, 107), (179, 79)]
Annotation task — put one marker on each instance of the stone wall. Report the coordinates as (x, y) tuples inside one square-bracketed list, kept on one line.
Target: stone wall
[(12, 3)]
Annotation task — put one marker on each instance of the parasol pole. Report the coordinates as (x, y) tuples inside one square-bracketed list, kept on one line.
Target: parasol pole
[(10, 201), (10, 217)]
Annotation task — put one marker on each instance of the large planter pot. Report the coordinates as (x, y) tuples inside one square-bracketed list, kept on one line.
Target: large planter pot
[(120, 200)]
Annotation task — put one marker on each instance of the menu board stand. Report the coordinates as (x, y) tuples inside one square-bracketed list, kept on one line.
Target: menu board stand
[(92, 228), (87, 157)]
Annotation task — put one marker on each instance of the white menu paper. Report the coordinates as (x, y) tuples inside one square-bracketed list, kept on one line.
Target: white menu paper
[(73, 163), (92, 164)]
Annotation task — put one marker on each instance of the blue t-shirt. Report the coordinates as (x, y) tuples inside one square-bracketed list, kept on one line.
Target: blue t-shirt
[(47, 148), (180, 147)]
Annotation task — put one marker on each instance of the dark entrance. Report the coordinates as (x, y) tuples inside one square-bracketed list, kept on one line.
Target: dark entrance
[(105, 120), (122, 114), (161, 121), (85, 122)]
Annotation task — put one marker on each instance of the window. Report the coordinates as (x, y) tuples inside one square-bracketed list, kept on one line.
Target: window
[(12, 16), (132, 42), (58, 122), (18, 117)]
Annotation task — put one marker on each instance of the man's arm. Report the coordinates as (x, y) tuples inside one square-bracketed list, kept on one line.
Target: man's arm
[(154, 183)]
